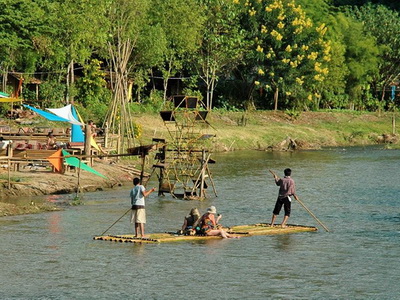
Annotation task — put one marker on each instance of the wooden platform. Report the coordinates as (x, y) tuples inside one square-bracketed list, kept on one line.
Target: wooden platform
[(239, 231)]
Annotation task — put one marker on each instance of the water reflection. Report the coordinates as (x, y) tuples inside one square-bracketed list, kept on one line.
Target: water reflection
[(284, 242)]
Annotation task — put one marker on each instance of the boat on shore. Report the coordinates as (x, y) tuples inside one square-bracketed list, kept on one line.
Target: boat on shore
[(236, 231)]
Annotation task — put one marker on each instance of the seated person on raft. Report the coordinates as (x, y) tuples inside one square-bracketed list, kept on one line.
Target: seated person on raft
[(209, 226), (188, 227)]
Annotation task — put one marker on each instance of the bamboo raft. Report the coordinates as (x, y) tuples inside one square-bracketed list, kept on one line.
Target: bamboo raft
[(237, 231)]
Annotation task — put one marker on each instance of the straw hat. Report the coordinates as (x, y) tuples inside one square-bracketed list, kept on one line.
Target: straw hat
[(212, 210)]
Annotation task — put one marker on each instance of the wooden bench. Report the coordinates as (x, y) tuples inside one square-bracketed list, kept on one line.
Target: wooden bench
[(31, 156), (33, 153)]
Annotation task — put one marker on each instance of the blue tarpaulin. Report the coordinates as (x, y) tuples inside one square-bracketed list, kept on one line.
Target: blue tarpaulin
[(393, 92), (47, 115), (76, 130)]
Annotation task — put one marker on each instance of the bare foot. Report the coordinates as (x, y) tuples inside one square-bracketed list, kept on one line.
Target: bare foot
[(284, 225)]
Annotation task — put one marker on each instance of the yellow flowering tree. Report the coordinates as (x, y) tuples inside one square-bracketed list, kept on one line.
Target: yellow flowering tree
[(291, 54)]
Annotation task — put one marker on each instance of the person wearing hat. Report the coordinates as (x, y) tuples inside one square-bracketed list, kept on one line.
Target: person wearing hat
[(189, 222), (209, 225)]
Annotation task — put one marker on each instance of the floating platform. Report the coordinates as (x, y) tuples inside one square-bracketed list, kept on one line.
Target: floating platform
[(237, 231)]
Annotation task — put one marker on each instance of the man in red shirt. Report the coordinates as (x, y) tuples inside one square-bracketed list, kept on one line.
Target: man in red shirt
[(286, 190)]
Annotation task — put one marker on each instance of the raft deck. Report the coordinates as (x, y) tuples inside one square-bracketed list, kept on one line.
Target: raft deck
[(237, 231)]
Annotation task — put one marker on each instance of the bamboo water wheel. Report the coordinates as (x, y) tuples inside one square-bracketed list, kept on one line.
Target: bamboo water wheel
[(182, 162)]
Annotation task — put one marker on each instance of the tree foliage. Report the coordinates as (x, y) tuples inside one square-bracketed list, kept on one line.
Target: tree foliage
[(269, 54), (291, 53), (181, 26), (384, 25), (222, 46)]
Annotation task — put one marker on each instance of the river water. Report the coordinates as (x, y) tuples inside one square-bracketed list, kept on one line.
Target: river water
[(355, 192)]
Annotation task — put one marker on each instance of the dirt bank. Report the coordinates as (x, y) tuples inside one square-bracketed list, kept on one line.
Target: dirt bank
[(30, 181), (33, 181)]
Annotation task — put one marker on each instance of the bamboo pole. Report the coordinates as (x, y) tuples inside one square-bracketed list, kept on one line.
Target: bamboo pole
[(9, 174), (393, 124), (79, 178), (116, 221), (87, 145), (310, 212), (212, 181), (202, 173)]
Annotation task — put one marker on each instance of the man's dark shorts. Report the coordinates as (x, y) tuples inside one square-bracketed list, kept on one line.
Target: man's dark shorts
[(286, 205)]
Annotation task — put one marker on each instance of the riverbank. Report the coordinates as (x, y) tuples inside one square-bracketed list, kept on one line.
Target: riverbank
[(263, 131), (280, 131), (41, 181)]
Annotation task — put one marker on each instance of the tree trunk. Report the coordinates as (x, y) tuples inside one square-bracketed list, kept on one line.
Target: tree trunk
[(67, 85), (4, 81), (165, 89), (276, 98), (166, 75), (213, 84), (72, 82)]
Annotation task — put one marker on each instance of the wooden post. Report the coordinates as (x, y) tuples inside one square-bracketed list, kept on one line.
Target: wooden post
[(106, 136), (10, 150), (212, 181), (143, 157), (79, 179), (203, 171), (87, 147), (162, 169), (119, 141), (393, 124), (9, 174)]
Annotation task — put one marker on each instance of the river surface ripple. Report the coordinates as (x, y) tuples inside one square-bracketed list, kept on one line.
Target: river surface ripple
[(355, 192)]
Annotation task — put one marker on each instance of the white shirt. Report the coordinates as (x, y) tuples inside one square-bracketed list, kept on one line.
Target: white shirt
[(137, 197)]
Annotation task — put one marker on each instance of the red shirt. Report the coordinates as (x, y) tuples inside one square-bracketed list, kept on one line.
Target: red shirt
[(207, 222)]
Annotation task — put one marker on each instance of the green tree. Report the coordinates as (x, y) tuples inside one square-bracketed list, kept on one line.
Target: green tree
[(80, 32), (383, 24), (222, 43), (394, 4), (182, 25), (93, 93), (148, 55), (21, 22), (290, 52), (361, 59)]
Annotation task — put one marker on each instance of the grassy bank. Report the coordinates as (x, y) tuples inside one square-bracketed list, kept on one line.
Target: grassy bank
[(271, 130), (10, 209)]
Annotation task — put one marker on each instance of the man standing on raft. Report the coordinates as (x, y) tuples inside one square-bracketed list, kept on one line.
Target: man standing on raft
[(138, 216), (286, 190)]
